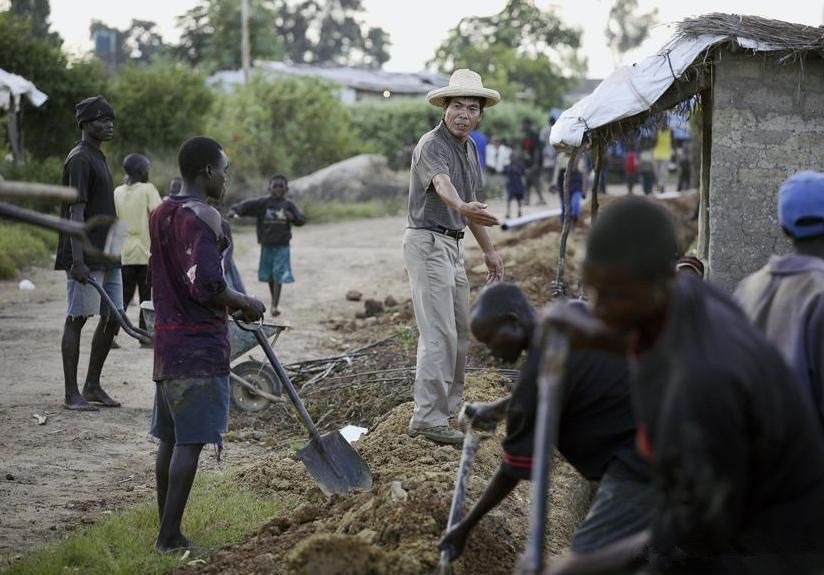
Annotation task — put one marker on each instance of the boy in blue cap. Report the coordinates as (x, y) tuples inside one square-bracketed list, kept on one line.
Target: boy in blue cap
[(785, 298)]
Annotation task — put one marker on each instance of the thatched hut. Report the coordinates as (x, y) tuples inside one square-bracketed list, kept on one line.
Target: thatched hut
[(759, 85)]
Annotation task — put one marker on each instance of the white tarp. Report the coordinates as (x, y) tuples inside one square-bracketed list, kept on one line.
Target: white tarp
[(630, 90), (14, 86)]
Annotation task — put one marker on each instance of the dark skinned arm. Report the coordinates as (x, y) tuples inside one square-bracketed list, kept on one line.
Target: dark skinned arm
[(251, 308), (496, 491), (79, 270)]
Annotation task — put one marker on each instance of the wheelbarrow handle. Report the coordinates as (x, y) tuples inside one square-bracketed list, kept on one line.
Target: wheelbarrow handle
[(140, 335)]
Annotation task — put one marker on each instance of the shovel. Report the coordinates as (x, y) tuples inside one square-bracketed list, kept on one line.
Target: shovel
[(487, 416), (140, 335), (334, 464)]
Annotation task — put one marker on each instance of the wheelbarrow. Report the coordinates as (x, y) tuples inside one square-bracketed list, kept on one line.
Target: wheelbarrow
[(255, 385)]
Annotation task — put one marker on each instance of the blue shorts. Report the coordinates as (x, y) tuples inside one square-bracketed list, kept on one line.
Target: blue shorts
[(191, 410), (621, 507), (275, 265), (84, 301)]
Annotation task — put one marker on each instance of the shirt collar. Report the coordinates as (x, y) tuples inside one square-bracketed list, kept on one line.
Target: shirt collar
[(450, 137)]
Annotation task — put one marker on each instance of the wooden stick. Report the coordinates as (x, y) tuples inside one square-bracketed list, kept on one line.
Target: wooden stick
[(599, 174), (558, 286), (28, 190)]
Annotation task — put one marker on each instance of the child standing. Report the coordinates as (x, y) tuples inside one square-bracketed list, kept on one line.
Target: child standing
[(515, 182), (134, 201), (275, 214)]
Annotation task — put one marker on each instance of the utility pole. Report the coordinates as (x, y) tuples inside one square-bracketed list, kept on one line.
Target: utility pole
[(244, 39)]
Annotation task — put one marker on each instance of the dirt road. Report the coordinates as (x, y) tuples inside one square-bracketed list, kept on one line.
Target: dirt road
[(63, 474)]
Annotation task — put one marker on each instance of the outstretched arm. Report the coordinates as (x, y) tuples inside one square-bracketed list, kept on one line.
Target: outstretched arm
[(622, 554)]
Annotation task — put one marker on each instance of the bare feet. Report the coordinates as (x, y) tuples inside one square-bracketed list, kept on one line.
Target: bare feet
[(76, 402), (274, 312), (95, 394)]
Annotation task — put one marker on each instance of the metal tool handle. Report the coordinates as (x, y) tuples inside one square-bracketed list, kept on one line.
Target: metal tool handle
[(284, 378), (140, 335), (550, 379), (472, 439)]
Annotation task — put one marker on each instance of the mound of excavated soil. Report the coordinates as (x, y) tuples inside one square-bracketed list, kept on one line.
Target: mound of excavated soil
[(394, 529)]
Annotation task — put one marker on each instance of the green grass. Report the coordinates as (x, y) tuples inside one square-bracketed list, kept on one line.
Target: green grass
[(219, 512), (324, 211), (23, 245)]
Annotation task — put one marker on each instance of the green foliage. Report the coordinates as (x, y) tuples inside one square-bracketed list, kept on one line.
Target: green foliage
[(23, 245), (626, 28), (324, 211), (342, 39), (523, 51), (50, 129), (289, 125), (393, 127), (139, 43), (218, 513), (211, 33), (46, 171), (157, 107), (37, 11)]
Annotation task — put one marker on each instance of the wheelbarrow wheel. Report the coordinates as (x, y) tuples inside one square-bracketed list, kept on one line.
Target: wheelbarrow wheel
[(261, 376)]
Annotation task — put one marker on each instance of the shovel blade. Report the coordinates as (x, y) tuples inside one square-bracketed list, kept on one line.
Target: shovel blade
[(335, 465)]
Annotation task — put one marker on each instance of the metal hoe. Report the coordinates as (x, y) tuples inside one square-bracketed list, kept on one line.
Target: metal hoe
[(329, 458), (472, 439)]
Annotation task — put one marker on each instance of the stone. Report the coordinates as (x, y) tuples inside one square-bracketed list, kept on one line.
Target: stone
[(353, 295), (397, 492), (390, 301), (373, 307), (360, 314)]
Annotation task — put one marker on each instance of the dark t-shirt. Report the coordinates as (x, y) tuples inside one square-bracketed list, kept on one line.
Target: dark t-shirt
[(272, 227), (737, 455), (187, 244), (596, 432), (86, 170)]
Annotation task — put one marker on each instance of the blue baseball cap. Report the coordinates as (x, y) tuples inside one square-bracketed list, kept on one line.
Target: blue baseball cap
[(801, 204)]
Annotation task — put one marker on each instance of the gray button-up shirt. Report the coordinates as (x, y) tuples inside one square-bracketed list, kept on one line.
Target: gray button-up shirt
[(440, 152)]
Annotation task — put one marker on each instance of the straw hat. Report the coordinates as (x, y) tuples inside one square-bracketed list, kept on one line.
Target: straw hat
[(464, 83)]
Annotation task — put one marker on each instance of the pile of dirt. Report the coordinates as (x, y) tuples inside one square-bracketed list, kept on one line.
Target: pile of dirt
[(395, 527)]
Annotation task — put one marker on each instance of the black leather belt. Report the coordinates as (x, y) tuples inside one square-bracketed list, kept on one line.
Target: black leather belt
[(457, 234)]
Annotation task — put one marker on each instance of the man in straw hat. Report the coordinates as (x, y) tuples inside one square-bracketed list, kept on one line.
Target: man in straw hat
[(444, 180)]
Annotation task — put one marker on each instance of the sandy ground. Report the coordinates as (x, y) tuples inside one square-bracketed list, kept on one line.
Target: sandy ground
[(77, 466)]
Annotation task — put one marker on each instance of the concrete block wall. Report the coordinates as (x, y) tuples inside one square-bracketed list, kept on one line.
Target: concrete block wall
[(767, 123)]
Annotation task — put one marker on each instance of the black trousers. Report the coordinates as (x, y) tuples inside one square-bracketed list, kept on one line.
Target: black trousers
[(134, 278)]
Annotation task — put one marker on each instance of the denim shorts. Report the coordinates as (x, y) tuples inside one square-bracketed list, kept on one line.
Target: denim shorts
[(191, 410), (621, 507), (84, 301)]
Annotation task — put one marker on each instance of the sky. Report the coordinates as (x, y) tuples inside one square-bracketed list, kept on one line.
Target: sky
[(417, 27)]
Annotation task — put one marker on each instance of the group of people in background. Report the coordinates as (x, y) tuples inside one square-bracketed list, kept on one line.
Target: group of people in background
[(652, 159)]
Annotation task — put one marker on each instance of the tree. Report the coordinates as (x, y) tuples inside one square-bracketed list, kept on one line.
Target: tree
[(289, 125), (177, 96), (51, 129), (525, 52), (329, 32), (210, 34), (309, 31), (139, 43), (37, 11), (626, 28)]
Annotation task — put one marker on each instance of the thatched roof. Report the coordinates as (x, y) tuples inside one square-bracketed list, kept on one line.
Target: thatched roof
[(671, 78), (769, 35)]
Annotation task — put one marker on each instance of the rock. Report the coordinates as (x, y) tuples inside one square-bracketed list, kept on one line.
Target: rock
[(371, 320), (360, 314), (354, 295), (9, 477), (397, 492), (257, 435), (390, 301), (373, 307), (25, 285), (363, 177)]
